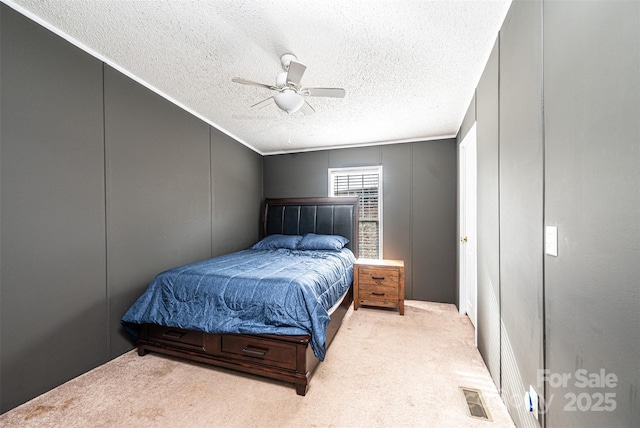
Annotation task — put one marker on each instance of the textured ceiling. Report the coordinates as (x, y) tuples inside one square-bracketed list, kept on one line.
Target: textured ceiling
[(409, 68)]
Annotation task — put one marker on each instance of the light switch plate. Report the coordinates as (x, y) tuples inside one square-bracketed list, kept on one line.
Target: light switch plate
[(551, 241)]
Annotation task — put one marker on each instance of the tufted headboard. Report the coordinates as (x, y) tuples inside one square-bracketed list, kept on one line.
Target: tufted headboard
[(298, 216)]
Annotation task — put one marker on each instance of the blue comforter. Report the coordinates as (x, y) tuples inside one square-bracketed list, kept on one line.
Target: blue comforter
[(286, 292)]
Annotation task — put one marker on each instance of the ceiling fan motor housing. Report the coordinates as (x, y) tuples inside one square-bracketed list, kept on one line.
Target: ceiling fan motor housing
[(286, 59)]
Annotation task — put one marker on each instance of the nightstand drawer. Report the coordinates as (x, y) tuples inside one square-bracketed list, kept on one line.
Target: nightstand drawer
[(379, 276), (378, 295)]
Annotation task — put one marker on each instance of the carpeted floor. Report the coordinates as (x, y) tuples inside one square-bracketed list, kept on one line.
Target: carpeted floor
[(382, 370)]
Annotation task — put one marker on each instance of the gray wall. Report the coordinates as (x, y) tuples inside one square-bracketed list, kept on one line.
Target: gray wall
[(164, 219), (487, 130), (592, 194), (521, 201), (102, 185), (419, 192), (572, 161), (52, 212)]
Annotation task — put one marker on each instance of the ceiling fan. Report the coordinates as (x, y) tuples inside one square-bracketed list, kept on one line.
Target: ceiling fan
[(291, 96)]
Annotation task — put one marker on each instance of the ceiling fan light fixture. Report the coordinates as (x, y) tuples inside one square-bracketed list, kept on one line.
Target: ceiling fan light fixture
[(289, 101)]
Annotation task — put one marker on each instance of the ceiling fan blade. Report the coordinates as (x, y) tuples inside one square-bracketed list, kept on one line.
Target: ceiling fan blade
[(324, 92), (252, 83), (264, 103), (306, 108), (294, 75)]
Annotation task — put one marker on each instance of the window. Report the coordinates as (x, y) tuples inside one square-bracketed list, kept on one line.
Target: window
[(366, 183)]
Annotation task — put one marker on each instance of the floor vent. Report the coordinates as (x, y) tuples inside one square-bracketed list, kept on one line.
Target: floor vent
[(475, 404)]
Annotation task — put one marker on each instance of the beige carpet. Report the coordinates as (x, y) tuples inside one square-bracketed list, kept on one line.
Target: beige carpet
[(382, 370)]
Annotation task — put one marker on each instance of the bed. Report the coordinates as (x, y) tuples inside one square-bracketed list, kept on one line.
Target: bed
[(279, 304)]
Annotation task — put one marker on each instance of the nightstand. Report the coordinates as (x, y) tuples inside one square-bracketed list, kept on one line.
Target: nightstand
[(378, 283)]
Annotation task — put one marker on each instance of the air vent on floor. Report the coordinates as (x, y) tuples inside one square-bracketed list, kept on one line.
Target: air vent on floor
[(475, 404)]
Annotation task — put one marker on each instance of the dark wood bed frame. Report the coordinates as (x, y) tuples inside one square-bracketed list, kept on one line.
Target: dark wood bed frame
[(285, 358)]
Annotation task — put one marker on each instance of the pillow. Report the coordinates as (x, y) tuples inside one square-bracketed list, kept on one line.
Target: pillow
[(311, 241), (274, 242)]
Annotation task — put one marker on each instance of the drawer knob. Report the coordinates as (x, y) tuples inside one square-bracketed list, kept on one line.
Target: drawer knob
[(378, 278), (377, 294)]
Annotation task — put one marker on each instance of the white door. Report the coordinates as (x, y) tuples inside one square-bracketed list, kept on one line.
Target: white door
[(468, 226)]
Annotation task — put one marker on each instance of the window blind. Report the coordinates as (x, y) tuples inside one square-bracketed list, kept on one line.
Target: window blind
[(366, 186)]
